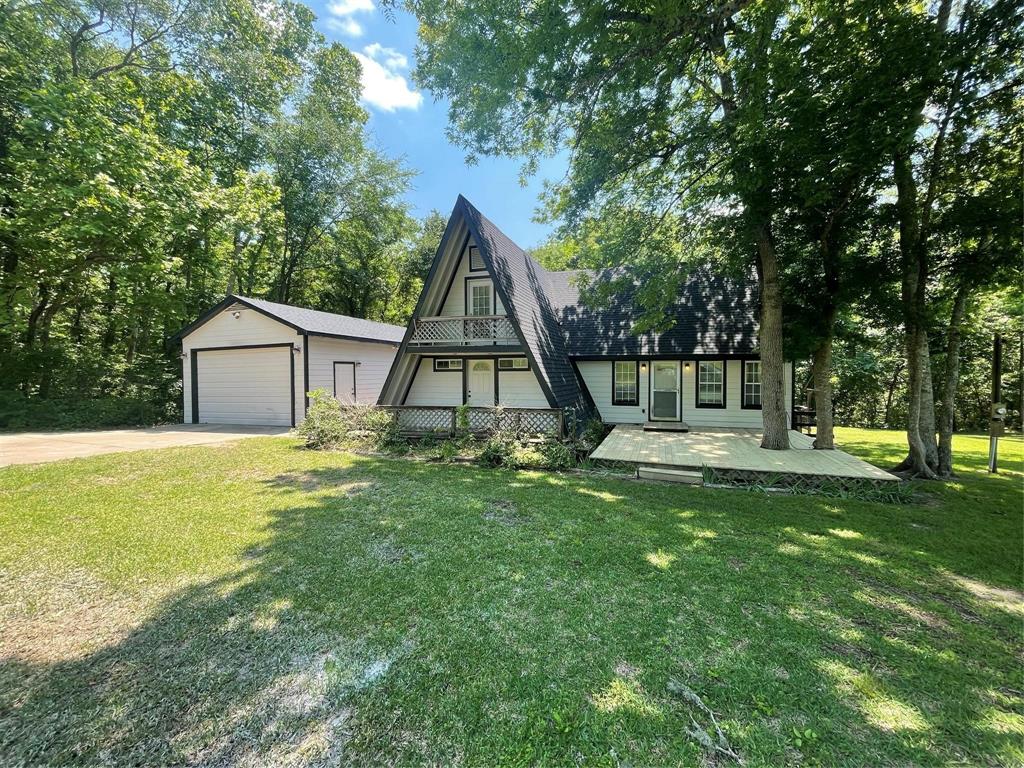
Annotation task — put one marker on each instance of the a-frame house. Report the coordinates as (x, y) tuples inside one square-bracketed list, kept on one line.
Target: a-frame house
[(485, 331), (492, 327)]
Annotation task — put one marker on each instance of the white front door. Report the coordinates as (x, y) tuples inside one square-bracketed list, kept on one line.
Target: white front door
[(665, 390), (345, 383), (480, 383)]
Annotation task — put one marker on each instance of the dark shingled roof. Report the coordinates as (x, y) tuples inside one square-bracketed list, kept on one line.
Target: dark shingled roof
[(522, 285), (327, 323), (713, 315), (307, 321)]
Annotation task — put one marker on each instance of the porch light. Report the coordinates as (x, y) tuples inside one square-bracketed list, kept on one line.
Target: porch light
[(643, 366), (687, 366), (236, 314)]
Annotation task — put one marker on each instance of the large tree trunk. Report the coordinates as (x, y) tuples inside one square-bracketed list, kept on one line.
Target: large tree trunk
[(774, 412), (914, 276), (952, 376), (821, 372), (914, 224), (926, 424), (773, 364)]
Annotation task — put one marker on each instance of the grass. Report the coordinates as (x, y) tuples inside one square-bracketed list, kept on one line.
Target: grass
[(258, 604)]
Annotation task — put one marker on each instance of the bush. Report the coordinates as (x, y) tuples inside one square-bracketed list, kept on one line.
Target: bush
[(325, 426), (594, 431), (20, 412), (557, 455), (498, 450)]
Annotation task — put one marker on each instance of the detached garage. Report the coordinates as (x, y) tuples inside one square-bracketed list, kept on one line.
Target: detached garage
[(250, 361)]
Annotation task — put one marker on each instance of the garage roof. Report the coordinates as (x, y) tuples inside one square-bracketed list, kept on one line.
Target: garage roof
[(310, 321)]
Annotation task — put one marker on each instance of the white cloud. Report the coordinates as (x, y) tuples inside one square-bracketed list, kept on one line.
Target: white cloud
[(346, 26), (383, 86), (389, 57), (341, 13)]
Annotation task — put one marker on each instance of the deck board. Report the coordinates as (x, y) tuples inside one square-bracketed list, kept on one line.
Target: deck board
[(730, 449)]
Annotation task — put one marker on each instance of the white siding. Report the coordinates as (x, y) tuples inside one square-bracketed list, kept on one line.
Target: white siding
[(435, 388), (597, 376), (516, 389), (455, 301), (520, 389), (374, 362), (224, 330)]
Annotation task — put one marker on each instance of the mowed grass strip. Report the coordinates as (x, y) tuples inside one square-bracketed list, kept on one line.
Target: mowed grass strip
[(259, 604)]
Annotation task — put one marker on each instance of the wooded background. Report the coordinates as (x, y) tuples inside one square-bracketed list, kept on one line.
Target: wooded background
[(863, 160)]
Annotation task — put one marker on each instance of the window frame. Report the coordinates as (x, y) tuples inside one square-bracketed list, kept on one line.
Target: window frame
[(468, 296), (743, 384), (470, 251), (636, 383), (448, 360), (525, 367), (696, 383)]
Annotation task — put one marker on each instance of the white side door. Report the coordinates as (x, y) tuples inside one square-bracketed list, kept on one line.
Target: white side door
[(480, 383), (345, 383)]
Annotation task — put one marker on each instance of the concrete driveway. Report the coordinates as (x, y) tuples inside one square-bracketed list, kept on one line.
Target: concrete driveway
[(37, 447)]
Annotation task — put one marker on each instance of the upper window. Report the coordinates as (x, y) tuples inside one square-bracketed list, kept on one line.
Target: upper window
[(447, 364), (476, 261), (513, 364), (625, 383), (480, 298), (751, 383), (711, 384)]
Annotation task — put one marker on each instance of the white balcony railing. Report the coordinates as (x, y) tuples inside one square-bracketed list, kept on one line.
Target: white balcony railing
[(463, 331)]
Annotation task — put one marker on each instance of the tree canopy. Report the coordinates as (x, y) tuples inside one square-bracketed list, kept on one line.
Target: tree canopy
[(155, 155)]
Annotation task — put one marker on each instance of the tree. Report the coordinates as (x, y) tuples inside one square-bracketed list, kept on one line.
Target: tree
[(977, 237), (144, 151), (968, 62), (664, 110)]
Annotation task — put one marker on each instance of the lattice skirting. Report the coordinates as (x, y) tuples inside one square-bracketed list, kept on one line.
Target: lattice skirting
[(792, 481), (439, 420)]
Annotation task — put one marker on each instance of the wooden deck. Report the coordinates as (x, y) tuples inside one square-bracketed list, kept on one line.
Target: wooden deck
[(731, 449)]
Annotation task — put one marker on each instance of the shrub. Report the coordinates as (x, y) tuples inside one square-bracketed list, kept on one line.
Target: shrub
[(325, 426), (446, 451), (20, 412), (594, 431), (557, 455), (462, 419), (498, 450)]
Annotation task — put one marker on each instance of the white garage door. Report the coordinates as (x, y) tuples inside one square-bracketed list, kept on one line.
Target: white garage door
[(245, 386)]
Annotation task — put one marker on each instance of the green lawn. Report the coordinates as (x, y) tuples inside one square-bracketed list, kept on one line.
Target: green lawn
[(262, 604)]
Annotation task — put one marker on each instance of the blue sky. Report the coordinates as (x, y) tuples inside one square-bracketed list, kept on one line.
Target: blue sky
[(412, 124)]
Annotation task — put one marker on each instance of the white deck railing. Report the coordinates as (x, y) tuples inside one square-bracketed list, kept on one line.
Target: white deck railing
[(464, 331)]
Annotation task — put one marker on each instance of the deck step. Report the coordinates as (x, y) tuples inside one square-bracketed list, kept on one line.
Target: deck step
[(666, 426), (669, 475)]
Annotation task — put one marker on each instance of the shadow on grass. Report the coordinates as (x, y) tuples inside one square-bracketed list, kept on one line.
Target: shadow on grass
[(410, 613)]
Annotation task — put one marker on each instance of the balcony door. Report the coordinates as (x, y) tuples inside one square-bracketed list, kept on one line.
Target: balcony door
[(479, 304), (479, 297), (480, 383)]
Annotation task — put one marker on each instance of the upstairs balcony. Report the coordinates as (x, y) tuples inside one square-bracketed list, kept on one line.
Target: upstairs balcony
[(464, 331)]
